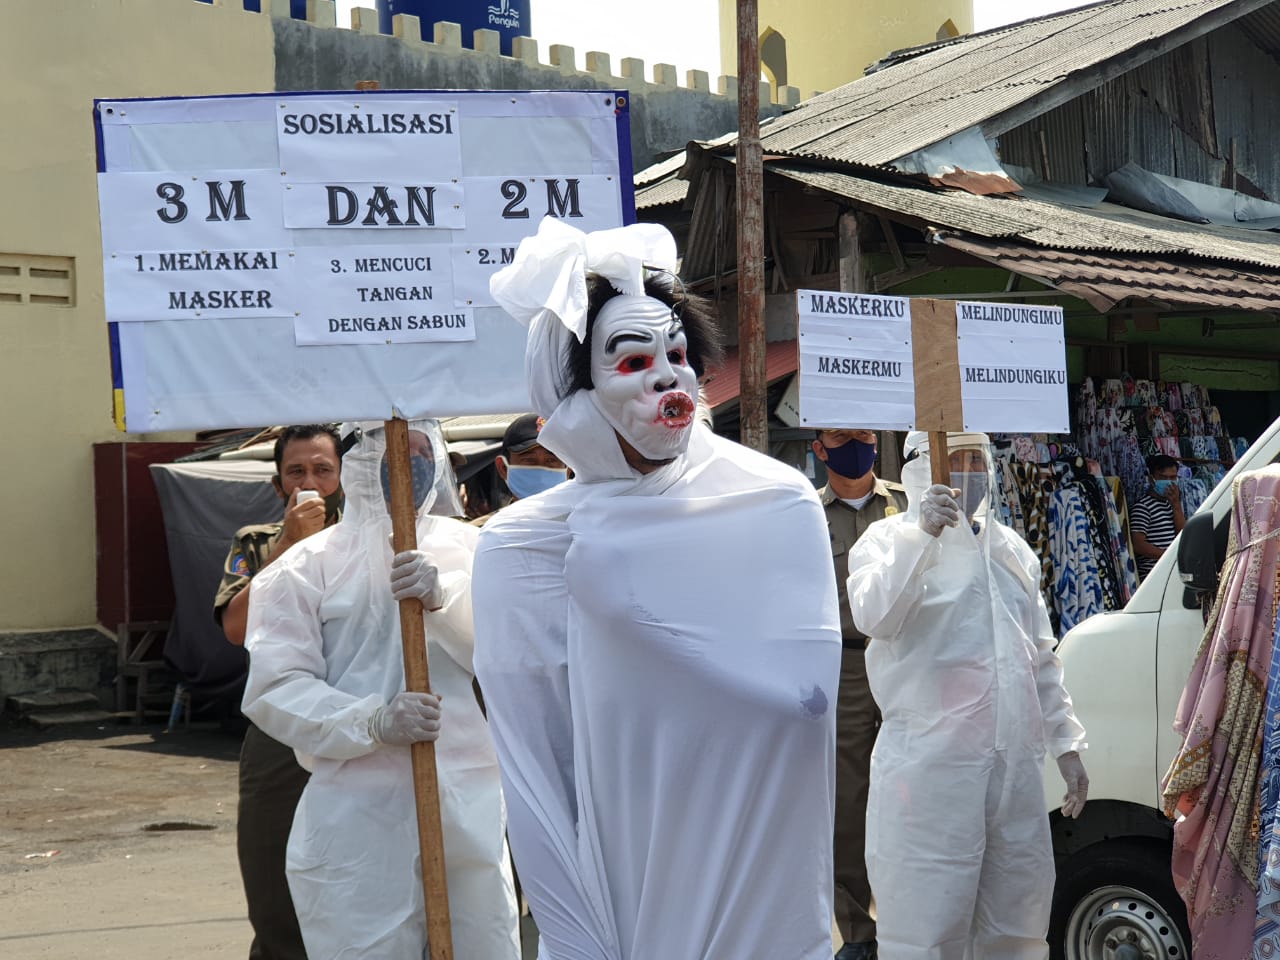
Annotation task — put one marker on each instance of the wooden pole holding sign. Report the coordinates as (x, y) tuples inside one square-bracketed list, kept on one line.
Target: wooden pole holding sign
[(417, 679), (936, 362)]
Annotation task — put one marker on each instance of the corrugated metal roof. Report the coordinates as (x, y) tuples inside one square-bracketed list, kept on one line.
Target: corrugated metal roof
[(1104, 228), (722, 384), (671, 190), (924, 97), (1104, 280)]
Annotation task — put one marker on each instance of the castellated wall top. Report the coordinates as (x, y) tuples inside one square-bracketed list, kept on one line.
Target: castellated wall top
[(666, 113)]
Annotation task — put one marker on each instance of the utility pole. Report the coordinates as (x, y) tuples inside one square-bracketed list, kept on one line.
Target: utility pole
[(750, 196)]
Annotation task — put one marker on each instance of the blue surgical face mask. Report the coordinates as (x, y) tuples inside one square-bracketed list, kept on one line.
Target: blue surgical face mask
[(527, 481), (973, 490), (1162, 486), (423, 470), (852, 459)]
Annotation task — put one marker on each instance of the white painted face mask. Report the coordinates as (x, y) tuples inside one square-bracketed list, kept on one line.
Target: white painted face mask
[(643, 384)]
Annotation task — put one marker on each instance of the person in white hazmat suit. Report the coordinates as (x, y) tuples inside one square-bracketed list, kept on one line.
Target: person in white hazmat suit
[(961, 663), (326, 677), (657, 639)]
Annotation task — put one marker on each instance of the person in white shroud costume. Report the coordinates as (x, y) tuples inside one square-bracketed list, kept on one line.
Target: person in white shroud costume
[(326, 677), (658, 639), (961, 662)]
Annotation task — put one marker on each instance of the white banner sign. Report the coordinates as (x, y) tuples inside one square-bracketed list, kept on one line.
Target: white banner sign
[(855, 361), (1013, 368), (332, 260), (189, 284), (380, 137), (365, 205)]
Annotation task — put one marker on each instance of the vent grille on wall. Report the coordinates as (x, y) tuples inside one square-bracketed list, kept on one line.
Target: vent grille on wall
[(30, 278)]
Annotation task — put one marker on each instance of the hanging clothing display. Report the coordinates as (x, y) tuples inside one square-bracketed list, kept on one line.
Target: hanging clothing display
[(1072, 519), (1212, 787), (1125, 421)]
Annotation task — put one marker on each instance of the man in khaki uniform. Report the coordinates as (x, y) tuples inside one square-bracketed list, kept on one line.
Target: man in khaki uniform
[(307, 458), (854, 498)]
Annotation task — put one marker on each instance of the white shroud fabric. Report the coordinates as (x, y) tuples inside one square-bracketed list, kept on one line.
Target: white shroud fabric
[(324, 639), (660, 657)]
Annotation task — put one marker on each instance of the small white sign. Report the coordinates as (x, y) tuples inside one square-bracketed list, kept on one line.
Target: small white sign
[(196, 284), (452, 324), (473, 265), (383, 138), (185, 210), (855, 361), (343, 205), (510, 208), (1013, 368), (379, 294)]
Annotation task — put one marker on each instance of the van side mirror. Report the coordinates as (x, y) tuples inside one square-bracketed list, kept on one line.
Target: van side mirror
[(1202, 548)]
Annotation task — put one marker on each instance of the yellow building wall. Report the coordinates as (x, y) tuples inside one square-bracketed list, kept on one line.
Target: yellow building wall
[(55, 372), (830, 44)]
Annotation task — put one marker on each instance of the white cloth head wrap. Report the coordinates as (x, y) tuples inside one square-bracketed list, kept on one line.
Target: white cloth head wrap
[(546, 288)]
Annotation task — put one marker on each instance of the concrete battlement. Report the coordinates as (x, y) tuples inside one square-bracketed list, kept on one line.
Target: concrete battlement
[(446, 38)]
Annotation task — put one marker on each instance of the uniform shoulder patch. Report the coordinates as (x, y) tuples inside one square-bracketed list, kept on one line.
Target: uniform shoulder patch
[(240, 566)]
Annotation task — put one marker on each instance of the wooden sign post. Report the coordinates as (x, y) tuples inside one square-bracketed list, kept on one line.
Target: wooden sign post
[(417, 679), (935, 357)]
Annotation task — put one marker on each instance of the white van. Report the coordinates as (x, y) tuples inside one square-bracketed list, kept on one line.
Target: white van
[(1114, 898)]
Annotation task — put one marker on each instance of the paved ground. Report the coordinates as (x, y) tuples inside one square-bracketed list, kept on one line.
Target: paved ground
[(118, 843)]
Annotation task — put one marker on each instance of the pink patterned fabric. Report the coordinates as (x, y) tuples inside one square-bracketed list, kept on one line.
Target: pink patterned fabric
[(1213, 781)]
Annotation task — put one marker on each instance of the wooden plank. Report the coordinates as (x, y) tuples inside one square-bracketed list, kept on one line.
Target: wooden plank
[(935, 353)]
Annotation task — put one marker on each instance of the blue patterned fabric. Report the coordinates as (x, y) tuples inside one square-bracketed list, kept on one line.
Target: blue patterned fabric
[(1078, 586), (1194, 493)]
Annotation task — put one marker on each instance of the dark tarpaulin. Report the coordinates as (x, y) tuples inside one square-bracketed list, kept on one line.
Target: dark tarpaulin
[(204, 504)]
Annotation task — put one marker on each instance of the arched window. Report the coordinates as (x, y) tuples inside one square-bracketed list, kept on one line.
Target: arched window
[(773, 57)]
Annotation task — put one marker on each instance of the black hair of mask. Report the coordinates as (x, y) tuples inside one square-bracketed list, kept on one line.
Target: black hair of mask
[(704, 343)]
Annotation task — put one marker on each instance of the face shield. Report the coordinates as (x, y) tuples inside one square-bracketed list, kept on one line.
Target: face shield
[(366, 473)]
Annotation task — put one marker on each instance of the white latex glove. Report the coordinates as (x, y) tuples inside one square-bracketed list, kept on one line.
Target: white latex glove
[(408, 718), (939, 509), (1077, 782), (414, 575)]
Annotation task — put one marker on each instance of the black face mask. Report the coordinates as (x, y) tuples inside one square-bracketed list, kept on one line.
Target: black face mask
[(333, 504), (852, 459)]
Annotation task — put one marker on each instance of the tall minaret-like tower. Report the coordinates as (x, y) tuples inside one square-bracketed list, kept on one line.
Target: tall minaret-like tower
[(815, 45)]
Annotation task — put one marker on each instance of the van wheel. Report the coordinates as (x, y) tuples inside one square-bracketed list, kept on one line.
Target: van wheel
[(1116, 901)]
